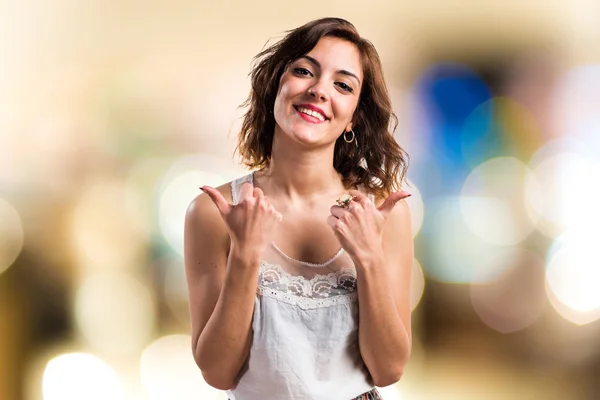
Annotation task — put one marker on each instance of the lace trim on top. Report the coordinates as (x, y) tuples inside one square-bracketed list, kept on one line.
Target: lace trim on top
[(319, 291)]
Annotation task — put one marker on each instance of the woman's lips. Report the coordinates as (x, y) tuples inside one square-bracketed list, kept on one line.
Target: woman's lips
[(309, 118), (311, 113)]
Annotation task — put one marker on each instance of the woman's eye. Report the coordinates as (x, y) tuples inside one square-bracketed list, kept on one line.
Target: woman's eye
[(345, 87), (302, 71)]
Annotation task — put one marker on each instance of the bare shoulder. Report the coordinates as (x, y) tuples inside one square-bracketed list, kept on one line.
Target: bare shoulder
[(205, 233), (202, 209)]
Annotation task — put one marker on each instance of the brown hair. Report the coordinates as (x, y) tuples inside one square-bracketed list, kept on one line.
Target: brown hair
[(378, 163)]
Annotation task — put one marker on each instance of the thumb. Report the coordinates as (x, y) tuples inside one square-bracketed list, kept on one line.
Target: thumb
[(390, 202), (217, 198)]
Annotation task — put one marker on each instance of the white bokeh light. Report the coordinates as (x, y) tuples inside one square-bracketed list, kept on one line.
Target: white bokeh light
[(180, 185), (564, 196), (114, 312), (493, 201), (456, 254), (417, 207), (79, 376), (168, 371), (573, 277)]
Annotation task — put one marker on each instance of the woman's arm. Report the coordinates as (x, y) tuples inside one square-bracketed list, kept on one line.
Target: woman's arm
[(380, 242), (222, 283), (223, 246), (384, 278)]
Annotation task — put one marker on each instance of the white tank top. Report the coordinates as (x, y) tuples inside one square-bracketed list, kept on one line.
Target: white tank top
[(305, 330)]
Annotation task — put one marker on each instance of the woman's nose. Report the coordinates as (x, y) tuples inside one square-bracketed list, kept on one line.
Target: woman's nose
[(317, 92)]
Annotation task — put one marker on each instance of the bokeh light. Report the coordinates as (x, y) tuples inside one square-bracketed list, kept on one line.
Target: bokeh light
[(500, 126), (11, 235), (573, 277), (448, 93), (417, 207), (114, 312), (168, 371), (107, 227), (493, 201), (451, 91), (516, 298), (457, 255), (79, 376), (563, 196), (180, 185), (175, 288)]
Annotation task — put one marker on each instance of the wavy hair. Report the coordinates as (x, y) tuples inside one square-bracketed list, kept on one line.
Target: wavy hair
[(378, 163)]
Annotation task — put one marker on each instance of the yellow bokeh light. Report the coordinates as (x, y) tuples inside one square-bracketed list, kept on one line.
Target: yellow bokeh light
[(168, 371), (115, 313), (175, 288), (493, 201), (79, 376), (11, 235), (106, 228)]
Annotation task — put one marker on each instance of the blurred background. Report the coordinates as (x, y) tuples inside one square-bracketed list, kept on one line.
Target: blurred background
[(112, 114)]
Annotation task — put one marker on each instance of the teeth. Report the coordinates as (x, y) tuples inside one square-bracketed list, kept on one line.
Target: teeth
[(312, 113)]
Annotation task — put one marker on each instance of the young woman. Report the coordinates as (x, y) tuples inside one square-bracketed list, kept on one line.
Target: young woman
[(299, 273)]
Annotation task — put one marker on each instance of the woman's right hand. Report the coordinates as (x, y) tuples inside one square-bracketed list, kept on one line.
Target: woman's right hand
[(251, 221)]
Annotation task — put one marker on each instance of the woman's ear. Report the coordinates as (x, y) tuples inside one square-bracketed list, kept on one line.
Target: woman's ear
[(349, 126)]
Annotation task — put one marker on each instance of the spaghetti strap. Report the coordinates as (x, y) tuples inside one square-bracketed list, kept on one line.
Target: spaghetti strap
[(236, 185)]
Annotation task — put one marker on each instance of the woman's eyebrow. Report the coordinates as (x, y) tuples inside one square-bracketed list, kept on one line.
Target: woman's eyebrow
[(318, 65)]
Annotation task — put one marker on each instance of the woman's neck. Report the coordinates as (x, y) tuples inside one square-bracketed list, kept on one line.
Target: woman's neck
[(299, 174)]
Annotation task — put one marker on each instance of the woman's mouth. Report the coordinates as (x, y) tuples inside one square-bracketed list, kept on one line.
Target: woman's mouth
[(310, 115)]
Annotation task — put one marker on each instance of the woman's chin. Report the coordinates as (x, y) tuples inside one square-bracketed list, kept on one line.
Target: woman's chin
[(307, 135), (309, 139)]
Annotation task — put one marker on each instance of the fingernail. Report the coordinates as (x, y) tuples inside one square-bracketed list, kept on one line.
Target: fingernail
[(202, 188), (410, 194)]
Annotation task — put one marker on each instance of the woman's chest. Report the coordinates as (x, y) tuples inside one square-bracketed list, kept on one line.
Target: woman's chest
[(307, 238)]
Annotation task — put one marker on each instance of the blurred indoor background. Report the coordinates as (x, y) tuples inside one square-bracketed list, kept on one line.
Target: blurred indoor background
[(113, 113)]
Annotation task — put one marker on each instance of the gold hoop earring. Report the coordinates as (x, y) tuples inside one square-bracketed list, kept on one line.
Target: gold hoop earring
[(349, 140)]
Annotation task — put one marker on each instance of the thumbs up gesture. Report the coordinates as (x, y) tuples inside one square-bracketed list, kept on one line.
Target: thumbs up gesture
[(359, 224), (250, 222)]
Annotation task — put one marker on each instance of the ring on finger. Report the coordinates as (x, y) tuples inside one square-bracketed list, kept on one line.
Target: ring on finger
[(344, 200)]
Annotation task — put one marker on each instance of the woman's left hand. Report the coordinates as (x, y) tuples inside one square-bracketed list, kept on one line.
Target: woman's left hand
[(359, 226)]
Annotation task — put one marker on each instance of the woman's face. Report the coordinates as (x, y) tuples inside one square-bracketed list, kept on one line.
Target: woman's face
[(319, 92)]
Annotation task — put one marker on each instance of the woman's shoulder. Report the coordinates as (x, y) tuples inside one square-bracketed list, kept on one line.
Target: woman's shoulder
[(202, 202), (202, 207), (204, 214)]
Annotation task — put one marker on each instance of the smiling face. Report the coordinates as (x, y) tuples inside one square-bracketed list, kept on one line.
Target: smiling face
[(319, 92)]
